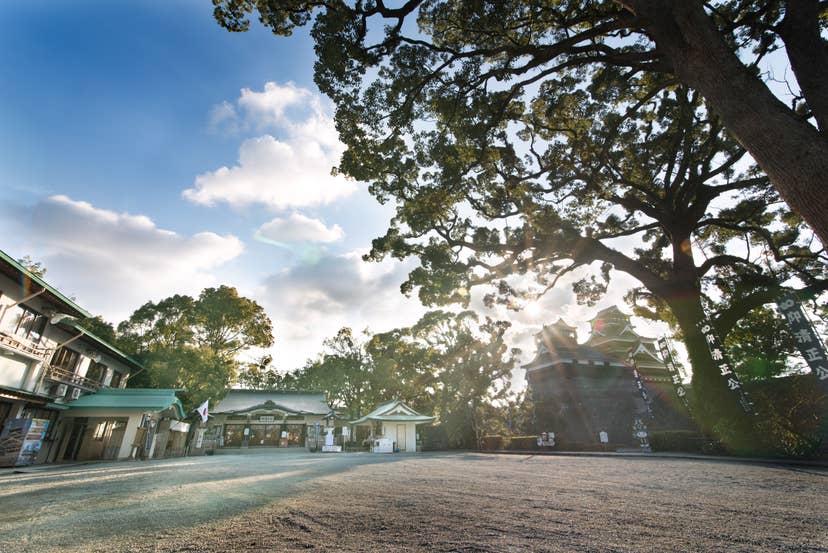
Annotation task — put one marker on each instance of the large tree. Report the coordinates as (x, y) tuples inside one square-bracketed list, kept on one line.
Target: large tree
[(449, 364), (194, 343), (659, 191), (343, 372), (472, 370), (485, 60), (522, 137)]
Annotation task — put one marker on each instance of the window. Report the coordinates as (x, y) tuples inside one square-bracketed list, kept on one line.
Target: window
[(116, 380), (96, 372), (24, 322), (66, 359), (100, 431)]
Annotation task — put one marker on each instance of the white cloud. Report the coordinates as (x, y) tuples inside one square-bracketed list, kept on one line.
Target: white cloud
[(311, 302), (275, 173), (299, 228), (268, 107), (114, 262), (293, 170)]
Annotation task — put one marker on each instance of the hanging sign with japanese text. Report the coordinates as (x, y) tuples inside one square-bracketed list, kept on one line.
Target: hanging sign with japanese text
[(669, 359), (640, 385), (809, 344), (717, 352)]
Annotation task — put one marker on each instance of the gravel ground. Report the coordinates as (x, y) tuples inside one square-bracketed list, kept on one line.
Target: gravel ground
[(430, 502)]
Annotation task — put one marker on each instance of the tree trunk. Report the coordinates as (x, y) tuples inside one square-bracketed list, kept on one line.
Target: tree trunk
[(791, 151), (808, 54), (716, 407)]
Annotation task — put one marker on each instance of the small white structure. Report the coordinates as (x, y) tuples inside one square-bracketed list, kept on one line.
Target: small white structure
[(394, 427)]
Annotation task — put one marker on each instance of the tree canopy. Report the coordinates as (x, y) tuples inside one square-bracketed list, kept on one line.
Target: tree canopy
[(387, 68), (449, 364), (193, 343), (545, 138)]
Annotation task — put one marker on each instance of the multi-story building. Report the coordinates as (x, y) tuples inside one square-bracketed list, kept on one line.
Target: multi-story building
[(48, 361), (582, 392)]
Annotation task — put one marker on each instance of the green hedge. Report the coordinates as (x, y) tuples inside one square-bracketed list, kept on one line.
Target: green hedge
[(516, 443), (523, 443), (685, 441), (493, 443)]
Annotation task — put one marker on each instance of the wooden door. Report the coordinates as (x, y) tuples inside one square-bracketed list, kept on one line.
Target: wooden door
[(401, 429)]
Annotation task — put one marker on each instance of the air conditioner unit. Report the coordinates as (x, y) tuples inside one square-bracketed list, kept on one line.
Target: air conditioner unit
[(60, 390), (76, 393)]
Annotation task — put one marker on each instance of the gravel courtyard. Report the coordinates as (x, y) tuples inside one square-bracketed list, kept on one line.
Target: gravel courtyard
[(281, 501)]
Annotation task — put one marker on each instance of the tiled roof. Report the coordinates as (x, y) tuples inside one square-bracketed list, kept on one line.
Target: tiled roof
[(237, 401), (394, 410), (130, 399)]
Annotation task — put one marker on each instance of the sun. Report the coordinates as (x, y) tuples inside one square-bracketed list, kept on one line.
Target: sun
[(533, 310)]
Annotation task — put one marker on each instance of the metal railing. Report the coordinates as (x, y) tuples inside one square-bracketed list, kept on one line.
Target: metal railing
[(64, 376), (22, 345)]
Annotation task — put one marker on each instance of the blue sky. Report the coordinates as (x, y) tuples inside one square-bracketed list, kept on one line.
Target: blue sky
[(145, 151)]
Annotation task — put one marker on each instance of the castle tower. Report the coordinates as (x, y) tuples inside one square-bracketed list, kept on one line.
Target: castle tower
[(581, 390)]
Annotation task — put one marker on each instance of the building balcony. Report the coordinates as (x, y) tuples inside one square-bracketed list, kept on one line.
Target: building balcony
[(22, 346), (65, 376)]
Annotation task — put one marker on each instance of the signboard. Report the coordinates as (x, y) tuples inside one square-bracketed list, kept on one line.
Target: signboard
[(179, 426), (809, 344), (33, 440), (199, 441), (546, 439), (346, 432), (717, 353), (603, 437)]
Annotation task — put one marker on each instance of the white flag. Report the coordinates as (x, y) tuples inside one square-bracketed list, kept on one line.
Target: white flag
[(202, 410)]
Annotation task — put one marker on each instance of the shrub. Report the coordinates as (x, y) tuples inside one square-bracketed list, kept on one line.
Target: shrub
[(522, 443), (494, 443), (685, 441)]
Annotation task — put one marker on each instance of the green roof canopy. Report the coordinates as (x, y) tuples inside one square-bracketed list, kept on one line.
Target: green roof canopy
[(11, 266), (106, 345), (131, 399), (393, 411)]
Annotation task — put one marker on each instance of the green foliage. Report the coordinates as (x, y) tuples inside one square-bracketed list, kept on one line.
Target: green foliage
[(261, 375), (100, 328), (342, 371), (493, 443), (792, 410), (449, 364), (192, 343), (559, 140), (227, 323), (35, 267), (685, 441), (523, 443), (761, 346)]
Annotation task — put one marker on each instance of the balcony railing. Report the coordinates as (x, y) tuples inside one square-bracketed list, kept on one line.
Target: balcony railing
[(23, 346), (65, 376)]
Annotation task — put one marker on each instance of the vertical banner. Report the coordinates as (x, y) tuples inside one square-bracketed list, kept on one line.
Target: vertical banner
[(640, 385), (717, 352), (809, 344), (676, 375)]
